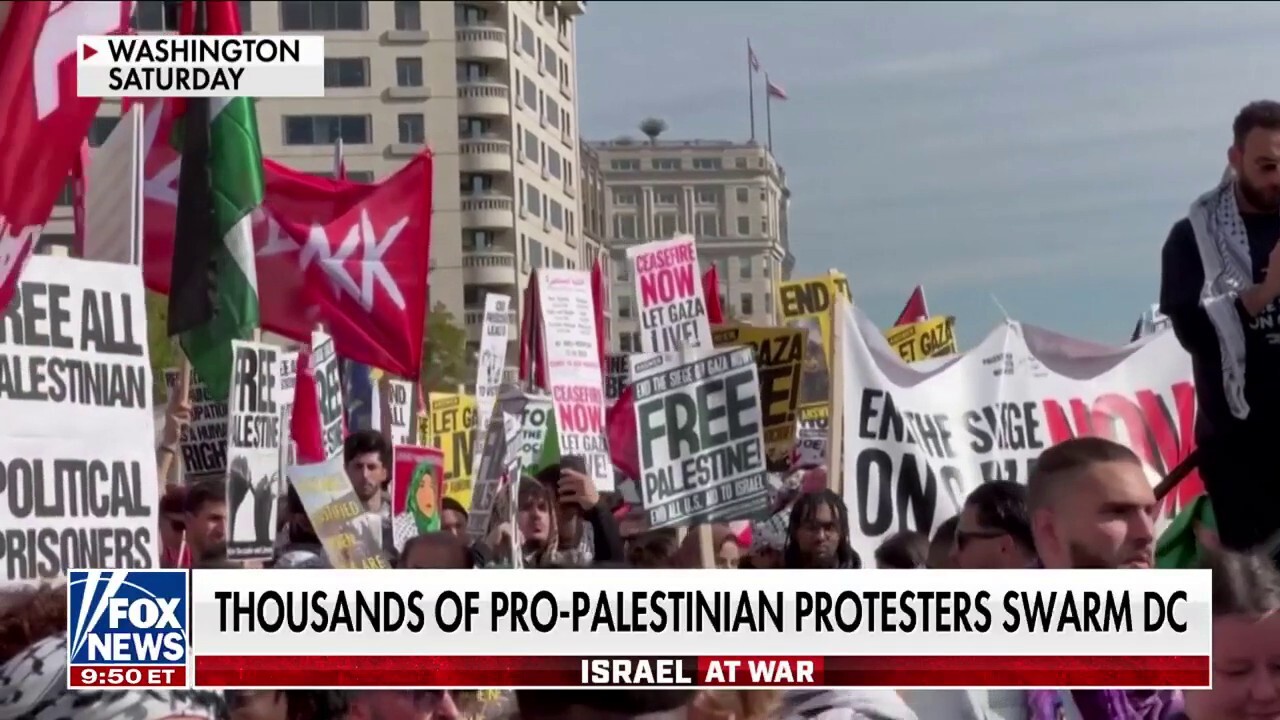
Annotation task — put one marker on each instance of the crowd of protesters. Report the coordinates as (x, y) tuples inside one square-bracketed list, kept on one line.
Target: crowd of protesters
[(1089, 504)]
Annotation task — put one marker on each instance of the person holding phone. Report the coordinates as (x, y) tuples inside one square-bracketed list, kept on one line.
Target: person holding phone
[(578, 506)]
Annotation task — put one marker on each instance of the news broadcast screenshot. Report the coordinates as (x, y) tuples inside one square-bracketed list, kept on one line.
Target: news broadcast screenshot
[(297, 292)]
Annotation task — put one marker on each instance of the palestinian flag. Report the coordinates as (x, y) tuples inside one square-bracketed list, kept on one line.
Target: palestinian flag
[(213, 298)]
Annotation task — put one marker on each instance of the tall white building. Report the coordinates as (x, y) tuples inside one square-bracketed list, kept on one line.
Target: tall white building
[(490, 87)]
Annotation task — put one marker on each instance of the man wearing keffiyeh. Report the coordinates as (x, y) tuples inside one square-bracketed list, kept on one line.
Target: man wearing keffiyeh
[(1220, 279)]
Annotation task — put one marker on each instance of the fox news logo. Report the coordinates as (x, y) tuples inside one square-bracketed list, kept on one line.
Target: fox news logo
[(127, 628)]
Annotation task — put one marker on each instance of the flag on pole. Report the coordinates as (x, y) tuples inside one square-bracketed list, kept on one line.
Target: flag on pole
[(774, 89), (752, 59), (214, 295), (916, 310)]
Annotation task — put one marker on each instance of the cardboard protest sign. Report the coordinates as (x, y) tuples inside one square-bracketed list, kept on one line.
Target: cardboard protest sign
[(288, 379), (616, 373), (500, 461), (396, 397), (919, 438), (324, 360), (779, 354), (203, 445), (352, 537), (701, 440), (806, 305), (573, 369), (452, 426), (417, 484), (493, 355), (535, 420), (670, 306), (77, 436), (932, 338), (253, 450)]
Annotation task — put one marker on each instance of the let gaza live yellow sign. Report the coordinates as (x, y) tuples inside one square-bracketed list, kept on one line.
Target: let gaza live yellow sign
[(449, 427), (932, 338)]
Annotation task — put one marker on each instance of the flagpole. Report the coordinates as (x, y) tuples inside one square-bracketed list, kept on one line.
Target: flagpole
[(751, 90), (768, 114)]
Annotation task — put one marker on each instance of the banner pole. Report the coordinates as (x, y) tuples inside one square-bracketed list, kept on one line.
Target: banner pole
[(835, 422)]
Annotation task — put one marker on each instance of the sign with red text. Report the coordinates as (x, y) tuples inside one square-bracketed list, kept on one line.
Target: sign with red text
[(669, 302), (919, 438), (573, 369)]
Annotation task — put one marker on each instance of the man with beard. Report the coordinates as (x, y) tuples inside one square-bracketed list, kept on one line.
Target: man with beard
[(818, 534), (1092, 507), (1219, 282), (206, 519)]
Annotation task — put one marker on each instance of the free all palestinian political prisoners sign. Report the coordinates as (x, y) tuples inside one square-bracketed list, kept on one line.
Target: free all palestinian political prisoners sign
[(77, 434)]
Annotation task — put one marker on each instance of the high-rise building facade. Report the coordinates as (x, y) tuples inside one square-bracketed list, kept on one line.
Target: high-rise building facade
[(490, 87), (732, 197)]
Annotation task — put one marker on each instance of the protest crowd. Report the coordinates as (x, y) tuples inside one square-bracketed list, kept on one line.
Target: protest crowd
[(327, 452)]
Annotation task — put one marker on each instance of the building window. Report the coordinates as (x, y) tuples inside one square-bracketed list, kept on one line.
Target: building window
[(742, 194), (327, 129), (477, 240), (740, 163), (708, 224), (557, 260), (464, 14), (350, 72), (747, 305), (531, 146), (664, 197), (473, 127), (472, 72), (529, 91), (408, 15), (624, 306), (666, 163), (409, 72), (535, 254), (533, 199), (664, 226), (557, 215), (707, 164), (621, 197), (624, 165), (554, 163), (527, 41), (705, 197), (624, 226), (764, 225), (413, 128), (156, 15), (624, 342), (551, 62), (768, 303), (552, 113), (475, 183), (624, 270), (324, 15), (744, 225), (744, 268), (101, 129)]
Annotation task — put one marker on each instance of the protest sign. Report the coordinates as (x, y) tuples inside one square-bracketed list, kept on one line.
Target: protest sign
[(616, 373), (352, 537), (535, 419), (491, 362), (203, 444), (779, 354), (806, 305), (417, 484), (77, 436), (399, 403), (573, 369), (932, 338), (918, 439), (288, 378), (670, 306), (700, 437), (452, 430), (254, 430), (500, 460), (324, 361)]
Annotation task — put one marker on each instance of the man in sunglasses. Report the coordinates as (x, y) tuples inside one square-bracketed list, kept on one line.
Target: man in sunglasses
[(994, 529)]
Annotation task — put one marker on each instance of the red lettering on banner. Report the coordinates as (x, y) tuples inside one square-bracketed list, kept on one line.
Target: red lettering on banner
[(580, 418), (664, 286), (1162, 437)]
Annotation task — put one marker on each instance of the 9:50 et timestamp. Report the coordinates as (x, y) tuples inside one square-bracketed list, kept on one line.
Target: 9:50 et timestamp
[(127, 676)]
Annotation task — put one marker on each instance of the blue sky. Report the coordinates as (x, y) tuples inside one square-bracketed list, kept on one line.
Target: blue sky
[(1038, 152)]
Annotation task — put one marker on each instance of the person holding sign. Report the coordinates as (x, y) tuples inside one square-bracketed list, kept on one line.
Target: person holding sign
[(579, 503)]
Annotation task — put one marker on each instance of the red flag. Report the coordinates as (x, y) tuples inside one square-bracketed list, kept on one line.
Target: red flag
[(79, 186), (305, 428), (597, 303), (774, 89), (620, 427), (752, 60), (43, 119), (711, 295), (533, 365), (916, 310)]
